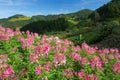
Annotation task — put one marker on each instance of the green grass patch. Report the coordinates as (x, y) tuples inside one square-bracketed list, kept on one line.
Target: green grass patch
[(19, 19)]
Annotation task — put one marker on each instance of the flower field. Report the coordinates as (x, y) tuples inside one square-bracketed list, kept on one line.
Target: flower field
[(28, 56)]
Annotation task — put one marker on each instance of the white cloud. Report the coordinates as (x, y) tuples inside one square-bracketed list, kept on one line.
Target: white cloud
[(6, 2), (17, 2)]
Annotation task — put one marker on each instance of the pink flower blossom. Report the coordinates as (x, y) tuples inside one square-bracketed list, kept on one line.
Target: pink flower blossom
[(81, 74), (3, 58), (38, 69), (106, 50), (59, 59), (114, 50), (68, 72), (85, 61), (33, 58), (77, 48), (48, 66), (91, 77), (46, 49), (43, 50), (96, 63), (89, 50), (85, 46), (76, 56), (111, 56), (7, 71), (117, 55), (116, 67), (87, 77)]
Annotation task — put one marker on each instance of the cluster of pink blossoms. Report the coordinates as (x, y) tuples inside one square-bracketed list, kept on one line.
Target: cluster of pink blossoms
[(116, 67), (59, 59), (42, 68), (6, 71), (5, 33), (96, 62), (81, 74), (29, 40), (89, 50), (76, 56)]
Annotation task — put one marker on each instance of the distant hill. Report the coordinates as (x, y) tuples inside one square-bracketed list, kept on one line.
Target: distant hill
[(80, 15), (18, 17), (19, 20), (14, 21)]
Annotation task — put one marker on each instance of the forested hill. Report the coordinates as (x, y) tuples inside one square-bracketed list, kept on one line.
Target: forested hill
[(110, 10)]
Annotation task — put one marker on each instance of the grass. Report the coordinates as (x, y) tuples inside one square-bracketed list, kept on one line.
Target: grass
[(19, 19), (72, 21)]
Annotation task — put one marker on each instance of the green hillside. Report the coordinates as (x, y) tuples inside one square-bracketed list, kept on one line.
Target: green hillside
[(110, 11)]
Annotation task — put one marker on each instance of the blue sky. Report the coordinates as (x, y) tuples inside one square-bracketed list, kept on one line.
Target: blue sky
[(45, 7)]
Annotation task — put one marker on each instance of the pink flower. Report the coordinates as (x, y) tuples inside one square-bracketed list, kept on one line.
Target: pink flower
[(81, 74), (4, 37), (46, 49), (105, 60), (96, 62), (117, 55), (3, 58), (116, 67), (67, 43), (38, 69), (48, 66), (43, 50), (75, 48), (36, 35), (110, 56), (43, 40), (27, 42), (33, 58), (68, 72), (59, 59), (85, 46), (91, 77), (8, 71), (76, 56), (89, 50), (85, 61), (87, 77), (114, 50)]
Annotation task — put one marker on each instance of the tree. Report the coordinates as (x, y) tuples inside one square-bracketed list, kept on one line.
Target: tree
[(95, 17)]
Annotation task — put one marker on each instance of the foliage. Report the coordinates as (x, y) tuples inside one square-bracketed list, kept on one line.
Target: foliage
[(47, 26), (95, 17), (110, 10)]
